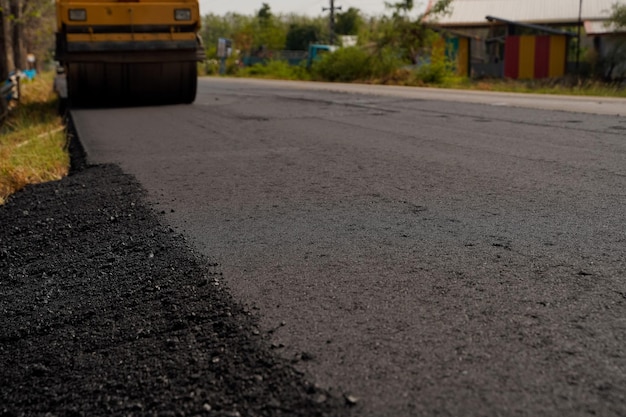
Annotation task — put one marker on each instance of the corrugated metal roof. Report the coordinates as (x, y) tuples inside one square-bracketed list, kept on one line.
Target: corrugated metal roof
[(473, 12)]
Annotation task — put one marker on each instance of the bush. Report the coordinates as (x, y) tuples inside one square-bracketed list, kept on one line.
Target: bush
[(439, 70), (356, 64), (211, 67), (432, 73), (386, 64), (345, 64), (276, 70)]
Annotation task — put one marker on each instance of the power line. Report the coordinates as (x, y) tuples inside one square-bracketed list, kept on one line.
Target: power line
[(332, 9)]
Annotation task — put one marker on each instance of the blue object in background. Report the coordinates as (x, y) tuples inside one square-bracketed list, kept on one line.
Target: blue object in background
[(30, 74)]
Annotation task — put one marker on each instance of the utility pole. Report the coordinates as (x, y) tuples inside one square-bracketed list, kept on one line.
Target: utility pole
[(332, 9)]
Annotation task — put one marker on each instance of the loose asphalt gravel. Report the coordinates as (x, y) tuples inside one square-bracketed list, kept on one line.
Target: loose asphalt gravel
[(104, 311)]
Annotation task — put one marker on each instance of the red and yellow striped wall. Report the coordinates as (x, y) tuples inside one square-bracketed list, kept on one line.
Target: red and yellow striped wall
[(528, 57)]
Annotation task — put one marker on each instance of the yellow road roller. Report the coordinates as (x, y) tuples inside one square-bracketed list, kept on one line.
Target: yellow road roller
[(125, 52)]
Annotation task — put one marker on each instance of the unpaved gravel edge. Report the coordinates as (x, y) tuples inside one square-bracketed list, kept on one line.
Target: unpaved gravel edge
[(104, 311)]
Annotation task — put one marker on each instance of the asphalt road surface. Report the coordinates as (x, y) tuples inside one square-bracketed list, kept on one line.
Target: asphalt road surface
[(426, 252)]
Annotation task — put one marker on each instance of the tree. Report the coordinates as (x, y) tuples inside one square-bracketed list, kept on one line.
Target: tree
[(440, 7), (30, 27), (265, 14), (230, 26), (349, 22), (4, 63), (39, 26), (17, 33), (613, 63), (244, 39), (300, 36), (400, 8), (268, 34), (618, 15), (319, 24), (410, 37)]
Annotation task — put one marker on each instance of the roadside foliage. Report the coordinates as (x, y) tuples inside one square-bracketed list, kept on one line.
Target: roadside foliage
[(32, 140), (394, 48), (386, 51)]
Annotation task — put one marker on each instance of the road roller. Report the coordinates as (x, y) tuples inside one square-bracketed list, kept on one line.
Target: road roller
[(129, 52)]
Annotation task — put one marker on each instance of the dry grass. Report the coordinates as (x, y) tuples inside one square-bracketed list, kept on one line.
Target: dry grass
[(32, 141), (569, 85)]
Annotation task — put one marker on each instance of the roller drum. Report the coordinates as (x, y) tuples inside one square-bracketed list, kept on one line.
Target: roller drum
[(107, 84)]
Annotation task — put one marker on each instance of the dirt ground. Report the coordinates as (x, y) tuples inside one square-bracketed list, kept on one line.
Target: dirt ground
[(106, 312)]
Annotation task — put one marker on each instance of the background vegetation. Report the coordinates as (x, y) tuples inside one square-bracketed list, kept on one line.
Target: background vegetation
[(608, 66), (391, 46), (387, 46), (26, 26), (394, 48)]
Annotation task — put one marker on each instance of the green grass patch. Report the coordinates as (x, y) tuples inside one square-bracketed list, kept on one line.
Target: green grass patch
[(32, 140)]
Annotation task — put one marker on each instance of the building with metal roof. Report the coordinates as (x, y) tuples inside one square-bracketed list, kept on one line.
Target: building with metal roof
[(514, 34), (468, 13)]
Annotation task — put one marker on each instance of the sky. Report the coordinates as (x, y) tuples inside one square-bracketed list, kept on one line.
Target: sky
[(305, 7)]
